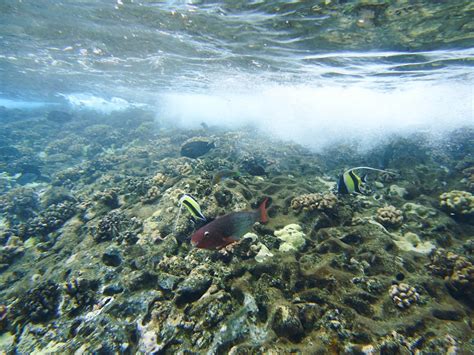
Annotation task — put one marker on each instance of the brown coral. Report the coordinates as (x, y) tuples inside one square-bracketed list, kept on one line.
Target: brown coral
[(457, 271), (389, 216), (316, 201), (159, 179), (457, 202)]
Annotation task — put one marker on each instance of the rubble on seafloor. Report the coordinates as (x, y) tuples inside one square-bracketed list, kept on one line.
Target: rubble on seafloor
[(95, 256)]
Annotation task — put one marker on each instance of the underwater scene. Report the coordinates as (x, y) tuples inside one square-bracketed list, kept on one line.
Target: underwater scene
[(236, 177)]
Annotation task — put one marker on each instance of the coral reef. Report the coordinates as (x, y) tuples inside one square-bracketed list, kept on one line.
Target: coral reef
[(80, 293), (403, 295), (95, 257), (117, 226), (8, 253), (37, 305), (3, 318), (317, 201), (389, 216), (48, 221), (468, 179), (457, 202), (20, 203), (457, 271)]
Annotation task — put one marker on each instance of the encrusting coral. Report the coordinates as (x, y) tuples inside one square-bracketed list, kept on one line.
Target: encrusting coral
[(457, 202), (389, 216), (316, 201)]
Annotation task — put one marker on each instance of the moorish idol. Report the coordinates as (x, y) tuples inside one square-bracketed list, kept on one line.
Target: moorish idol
[(349, 182), (193, 208)]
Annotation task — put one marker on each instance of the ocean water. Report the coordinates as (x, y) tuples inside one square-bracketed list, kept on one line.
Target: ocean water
[(98, 100), (299, 70)]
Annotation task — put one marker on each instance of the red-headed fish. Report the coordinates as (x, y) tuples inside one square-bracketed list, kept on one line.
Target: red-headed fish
[(229, 228)]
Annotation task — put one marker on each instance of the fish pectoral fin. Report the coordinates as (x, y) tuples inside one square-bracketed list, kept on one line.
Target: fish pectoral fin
[(230, 239), (226, 241)]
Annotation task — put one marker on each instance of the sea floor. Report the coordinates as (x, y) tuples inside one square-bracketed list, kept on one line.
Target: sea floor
[(94, 259)]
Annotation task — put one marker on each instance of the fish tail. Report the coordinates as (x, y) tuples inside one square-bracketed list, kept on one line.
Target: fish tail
[(263, 211)]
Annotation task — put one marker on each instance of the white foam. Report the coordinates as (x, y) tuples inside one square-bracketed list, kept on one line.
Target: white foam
[(96, 103), (316, 115)]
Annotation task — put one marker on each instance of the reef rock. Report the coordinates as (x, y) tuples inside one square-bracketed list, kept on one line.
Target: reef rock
[(263, 253)]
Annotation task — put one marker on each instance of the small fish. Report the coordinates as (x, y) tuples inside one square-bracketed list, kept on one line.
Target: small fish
[(192, 206), (229, 228), (349, 182), (224, 174)]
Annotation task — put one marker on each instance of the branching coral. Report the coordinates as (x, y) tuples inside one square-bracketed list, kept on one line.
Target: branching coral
[(38, 304), (21, 203), (458, 202), (311, 202), (49, 220), (389, 216), (116, 225)]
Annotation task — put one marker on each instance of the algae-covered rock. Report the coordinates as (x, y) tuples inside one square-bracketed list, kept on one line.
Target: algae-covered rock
[(286, 323), (292, 237), (192, 288), (412, 242)]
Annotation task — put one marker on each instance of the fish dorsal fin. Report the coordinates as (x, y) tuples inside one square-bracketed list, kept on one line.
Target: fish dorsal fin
[(369, 168)]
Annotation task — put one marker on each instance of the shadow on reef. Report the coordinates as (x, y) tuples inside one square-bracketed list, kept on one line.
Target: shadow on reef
[(95, 256)]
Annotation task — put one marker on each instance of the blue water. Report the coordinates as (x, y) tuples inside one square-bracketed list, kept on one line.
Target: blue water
[(98, 102)]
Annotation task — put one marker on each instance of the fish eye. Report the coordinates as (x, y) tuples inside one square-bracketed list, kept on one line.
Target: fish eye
[(206, 233)]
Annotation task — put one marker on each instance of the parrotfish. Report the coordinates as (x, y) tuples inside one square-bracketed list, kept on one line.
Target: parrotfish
[(349, 182), (229, 228)]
